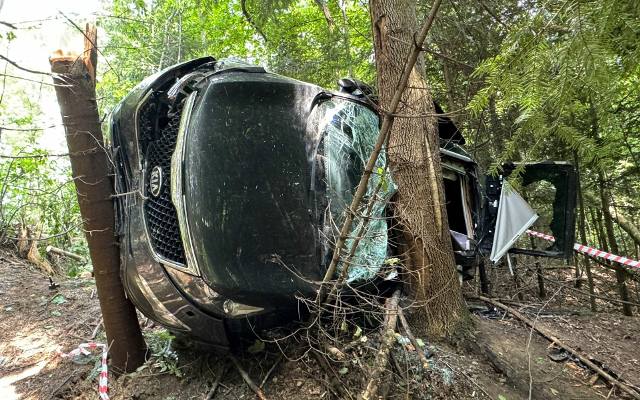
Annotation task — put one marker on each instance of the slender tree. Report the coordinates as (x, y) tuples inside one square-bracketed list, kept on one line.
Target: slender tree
[(414, 158), (75, 89)]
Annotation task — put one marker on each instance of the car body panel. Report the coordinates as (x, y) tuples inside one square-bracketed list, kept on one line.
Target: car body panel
[(225, 212), (247, 187)]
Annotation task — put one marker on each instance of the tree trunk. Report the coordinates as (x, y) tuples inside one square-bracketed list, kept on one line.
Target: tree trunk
[(582, 220), (75, 90), (596, 216), (626, 225), (414, 158), (621, 274)]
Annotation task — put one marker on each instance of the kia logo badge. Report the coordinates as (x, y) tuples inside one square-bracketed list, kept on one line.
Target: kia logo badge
[(155, 181)]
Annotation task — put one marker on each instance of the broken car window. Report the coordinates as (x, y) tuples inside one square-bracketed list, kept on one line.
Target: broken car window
[(348, 132)]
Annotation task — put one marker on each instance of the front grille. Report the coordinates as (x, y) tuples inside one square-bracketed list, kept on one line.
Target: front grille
[(160, 214)]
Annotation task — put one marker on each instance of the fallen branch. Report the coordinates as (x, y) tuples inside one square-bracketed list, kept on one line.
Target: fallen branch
[(334, 383), (388, 337), (414, 342), (268, 374), (550, 336), (597, 296), (96, 329), (252, 385), (221, 371), (64, 253)]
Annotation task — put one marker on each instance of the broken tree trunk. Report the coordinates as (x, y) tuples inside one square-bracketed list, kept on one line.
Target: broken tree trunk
[(75, 89), (414, 158)]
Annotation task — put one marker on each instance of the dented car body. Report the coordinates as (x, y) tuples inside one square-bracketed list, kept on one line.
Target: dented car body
[(235, 181)]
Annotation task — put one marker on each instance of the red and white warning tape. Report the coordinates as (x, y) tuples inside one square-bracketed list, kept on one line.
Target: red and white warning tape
[(104, 371), (580, 248)]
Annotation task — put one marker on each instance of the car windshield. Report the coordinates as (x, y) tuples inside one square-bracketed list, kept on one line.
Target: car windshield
[(348, 132)]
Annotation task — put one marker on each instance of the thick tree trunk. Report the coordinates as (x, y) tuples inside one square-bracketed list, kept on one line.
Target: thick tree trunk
[(75, 90), (414, 158), (621, 274)]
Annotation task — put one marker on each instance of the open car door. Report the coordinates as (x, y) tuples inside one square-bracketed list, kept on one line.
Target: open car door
[(509, 214)]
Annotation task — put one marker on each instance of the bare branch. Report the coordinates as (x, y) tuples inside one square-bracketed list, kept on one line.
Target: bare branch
[(31, 71), (8, 24), (327, 14), (250, 20)]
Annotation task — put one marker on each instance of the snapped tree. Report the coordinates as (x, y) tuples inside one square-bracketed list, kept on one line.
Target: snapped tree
[(74, 78)]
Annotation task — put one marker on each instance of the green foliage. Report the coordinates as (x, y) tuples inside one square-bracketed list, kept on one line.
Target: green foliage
[(291, 38), (566, 81), (163, 358), (37, 192), (556, 71)]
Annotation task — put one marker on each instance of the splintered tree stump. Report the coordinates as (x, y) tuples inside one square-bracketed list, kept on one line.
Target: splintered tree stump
[(74, 78)]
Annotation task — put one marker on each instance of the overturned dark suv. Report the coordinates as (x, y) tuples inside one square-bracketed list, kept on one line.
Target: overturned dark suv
[(236, 182)]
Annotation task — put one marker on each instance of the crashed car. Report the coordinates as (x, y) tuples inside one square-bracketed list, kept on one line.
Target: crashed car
[(235, 183)]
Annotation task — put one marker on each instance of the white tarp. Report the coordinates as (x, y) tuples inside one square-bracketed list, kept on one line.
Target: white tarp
[(515, 216)]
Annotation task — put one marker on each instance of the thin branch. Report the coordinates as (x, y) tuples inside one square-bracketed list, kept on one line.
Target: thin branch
[(551, 337), (33, 156), (250, 20), (453, 60), (412, 339), (385, 130), (247, 378), (35, 128), (8, 24), (31, 71), (492, 14), (29, 80), (220, 373), (327, 14)]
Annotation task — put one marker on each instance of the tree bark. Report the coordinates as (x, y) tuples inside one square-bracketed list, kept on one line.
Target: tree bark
[(414, 158), (621, 274), (582, 221), (75, 89), (626, 225)]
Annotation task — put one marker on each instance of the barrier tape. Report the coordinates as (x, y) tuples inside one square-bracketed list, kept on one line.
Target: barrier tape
[(104, 372), (592, 251)]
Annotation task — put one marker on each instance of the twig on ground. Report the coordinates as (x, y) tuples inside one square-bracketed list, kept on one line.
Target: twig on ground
[(222, 368), (60, 386), (470, 379), (270, 371), (414, 342), (550, 336), (334, 380), (388, 337), (96, 329), (247, 378)]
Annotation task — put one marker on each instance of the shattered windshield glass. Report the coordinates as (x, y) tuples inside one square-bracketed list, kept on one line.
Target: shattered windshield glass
[(348, 132)]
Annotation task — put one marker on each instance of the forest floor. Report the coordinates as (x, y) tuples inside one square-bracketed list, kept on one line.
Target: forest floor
[(503, 360)]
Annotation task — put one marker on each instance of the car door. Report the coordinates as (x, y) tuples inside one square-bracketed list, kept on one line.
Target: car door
[(552, 185)]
